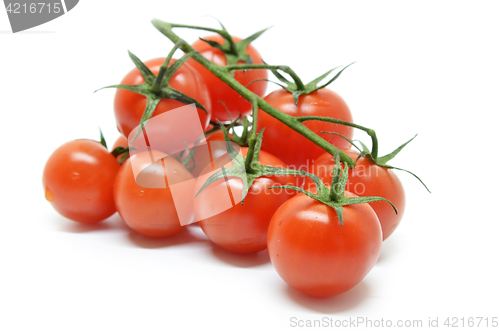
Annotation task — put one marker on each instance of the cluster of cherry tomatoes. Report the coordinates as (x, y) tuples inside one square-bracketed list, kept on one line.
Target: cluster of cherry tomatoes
[(310, 248)]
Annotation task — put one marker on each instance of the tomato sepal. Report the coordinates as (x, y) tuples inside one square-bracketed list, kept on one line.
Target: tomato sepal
[(117, 151), (148, 76), (248, 173), (297, 88), (334, 196), (102, 141), (232, 50), (150, 87), (156, 87), (123, 151), (380, 160), (237, 170)]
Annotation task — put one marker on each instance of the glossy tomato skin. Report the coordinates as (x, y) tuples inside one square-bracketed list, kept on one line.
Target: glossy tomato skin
[(150, 211), (219, 91), (317, 256), (241, 228), (78, 181), (293, 148), (369, 179), (130, 106)]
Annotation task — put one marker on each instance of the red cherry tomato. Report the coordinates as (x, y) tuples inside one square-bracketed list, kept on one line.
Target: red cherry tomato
[(317, 256), (78, 181), (130, 106), (151, 211), (369, 179), (240, 229), (293, 148), (220, 92)]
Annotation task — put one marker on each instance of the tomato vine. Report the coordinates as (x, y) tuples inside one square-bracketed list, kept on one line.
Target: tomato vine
[(223, 73)]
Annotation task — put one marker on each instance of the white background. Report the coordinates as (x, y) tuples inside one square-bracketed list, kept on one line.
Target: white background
[(430, 68)]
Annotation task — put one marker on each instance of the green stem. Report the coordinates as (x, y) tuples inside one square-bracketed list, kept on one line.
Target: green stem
[(244, 134), (219, 72), (287, 69), (253, 138), (369, 131), (163, 69)]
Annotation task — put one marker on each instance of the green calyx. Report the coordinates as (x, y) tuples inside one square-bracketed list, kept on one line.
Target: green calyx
[(124, 151), (102, 141), (379, 160), (240, 139), (187, 157), (334, 196), (248, 172), (156, 87), (189, 162), (234, 51), (298, 88), (224, 73), (243, 138)]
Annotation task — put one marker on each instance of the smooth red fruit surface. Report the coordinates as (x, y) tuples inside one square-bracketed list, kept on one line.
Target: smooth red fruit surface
[(151, 211), (78, 181), (220, 92), (369, 179), (130, 106), (241, 228), (317, 256), (293, 148)]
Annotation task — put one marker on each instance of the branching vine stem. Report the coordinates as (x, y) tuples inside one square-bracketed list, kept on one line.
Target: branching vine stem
[(370, 132), (253, 136), (222, 74)]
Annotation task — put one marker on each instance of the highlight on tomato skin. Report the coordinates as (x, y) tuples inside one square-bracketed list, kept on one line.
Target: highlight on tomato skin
[(369, 179), (316, 255), (234, 227), (147, 210), (78, 181)]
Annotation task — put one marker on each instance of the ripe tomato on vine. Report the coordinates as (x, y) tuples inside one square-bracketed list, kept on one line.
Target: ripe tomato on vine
[(78, 181), (279, 137), (228, 104), (242, 228), (130, 104), (369, 179)]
